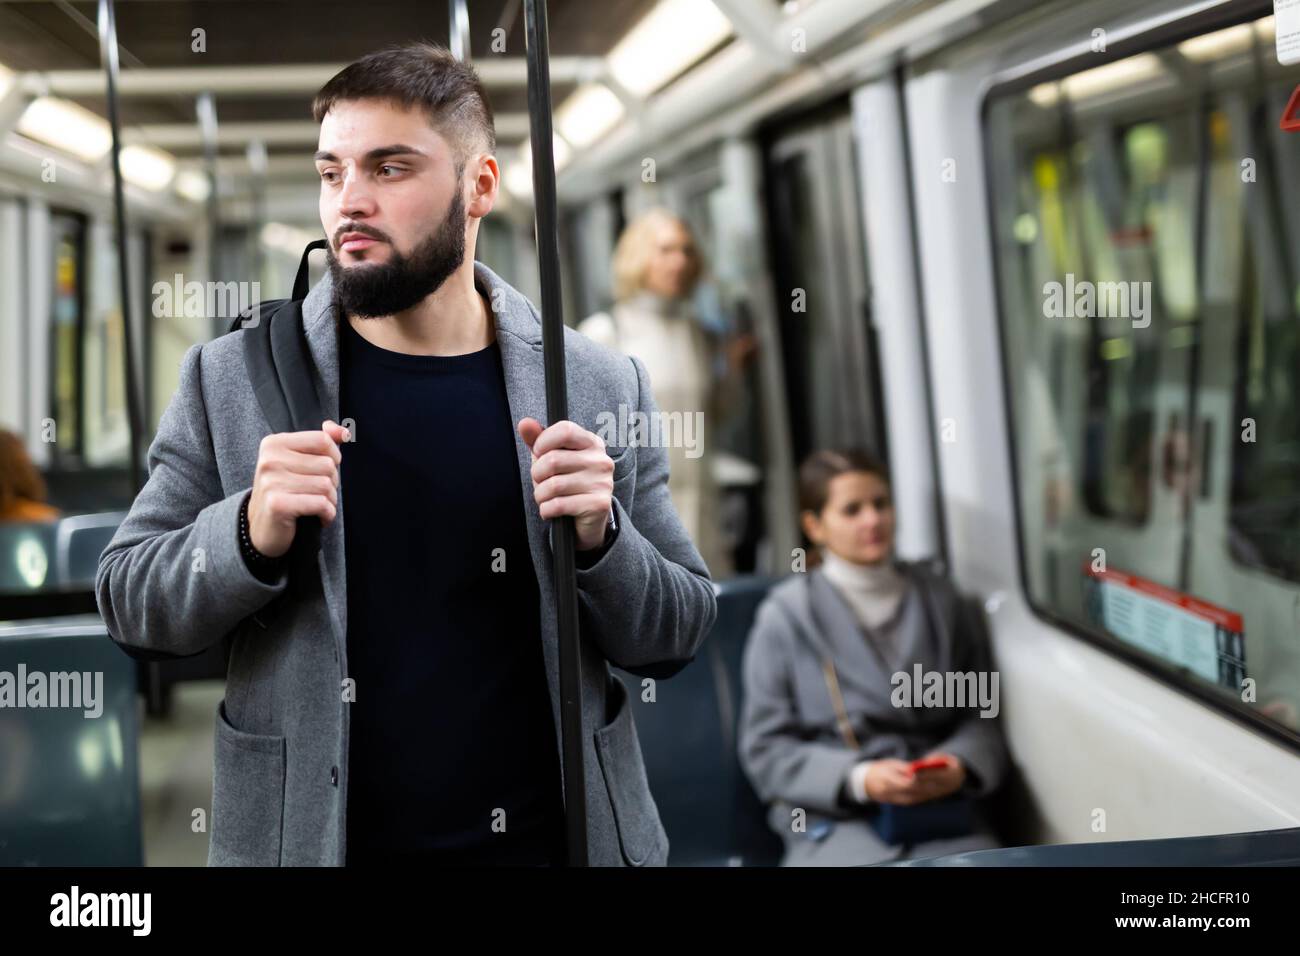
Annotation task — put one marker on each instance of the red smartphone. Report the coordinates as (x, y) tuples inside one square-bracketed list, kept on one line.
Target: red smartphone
[(927, 763)]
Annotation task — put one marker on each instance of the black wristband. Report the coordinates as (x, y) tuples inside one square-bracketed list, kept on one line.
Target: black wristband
[(265, 569)]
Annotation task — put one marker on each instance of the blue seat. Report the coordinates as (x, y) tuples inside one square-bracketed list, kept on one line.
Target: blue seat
[(79, 541), (70, 784), (60, 555), (688, 739)]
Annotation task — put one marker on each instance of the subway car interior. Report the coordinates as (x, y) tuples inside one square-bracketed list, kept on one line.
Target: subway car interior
[(1039, 259)]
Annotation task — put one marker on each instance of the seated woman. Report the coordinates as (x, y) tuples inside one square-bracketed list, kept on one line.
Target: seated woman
[(831, 723)]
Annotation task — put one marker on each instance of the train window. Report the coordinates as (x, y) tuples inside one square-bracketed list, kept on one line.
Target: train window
[(1149, 288)]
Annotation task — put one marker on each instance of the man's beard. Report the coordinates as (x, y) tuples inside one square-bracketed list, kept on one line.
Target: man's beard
[(374, 290)]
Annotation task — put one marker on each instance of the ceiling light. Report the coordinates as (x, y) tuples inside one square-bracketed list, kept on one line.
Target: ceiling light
[(66, 126), (665, 42), (1045, 94), (588, 114), (193, 185), (519, 179), (518, 176), (1103, 79), (1220, 43), (147, 167), (290, 239)]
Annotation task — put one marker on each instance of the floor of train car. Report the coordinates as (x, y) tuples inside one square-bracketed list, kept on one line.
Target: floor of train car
[(176, 775)]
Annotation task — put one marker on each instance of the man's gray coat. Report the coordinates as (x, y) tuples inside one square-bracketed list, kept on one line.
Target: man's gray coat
[(173, 581)]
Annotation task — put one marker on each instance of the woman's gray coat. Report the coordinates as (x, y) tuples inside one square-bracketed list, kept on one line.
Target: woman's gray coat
[(791, 746)]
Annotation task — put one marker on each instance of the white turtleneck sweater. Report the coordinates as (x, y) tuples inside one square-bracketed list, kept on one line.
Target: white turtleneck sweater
[(874, 593)]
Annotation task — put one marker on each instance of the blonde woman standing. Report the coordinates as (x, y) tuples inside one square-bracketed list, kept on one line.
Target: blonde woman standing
[(656, 268)]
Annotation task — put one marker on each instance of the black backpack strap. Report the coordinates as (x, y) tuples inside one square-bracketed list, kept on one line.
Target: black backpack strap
[(251, 318), (300, 280), (280, 367), (292, 358), (293, 368), (293, 365), (260, 363)]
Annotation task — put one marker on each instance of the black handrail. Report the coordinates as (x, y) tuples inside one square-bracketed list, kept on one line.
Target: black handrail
[(108, 56), (557, 409)]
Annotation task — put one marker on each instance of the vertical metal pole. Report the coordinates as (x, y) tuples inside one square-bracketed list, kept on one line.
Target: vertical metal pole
[(458, 15), (108, 56), (557, 409), (205, 111), (257, 165)]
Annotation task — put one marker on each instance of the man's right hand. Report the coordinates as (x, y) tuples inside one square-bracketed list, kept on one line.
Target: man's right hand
[(297, 474)]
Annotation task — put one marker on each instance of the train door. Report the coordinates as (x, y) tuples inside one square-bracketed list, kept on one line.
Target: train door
[(819, 264), (715, 192), (703, 191)]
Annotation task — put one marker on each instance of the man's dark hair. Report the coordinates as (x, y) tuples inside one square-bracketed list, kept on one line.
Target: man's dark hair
[(425, 76)]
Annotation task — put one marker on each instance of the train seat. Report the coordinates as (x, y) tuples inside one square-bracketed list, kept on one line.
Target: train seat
[(70, 787), (688, 739), (79, 541)]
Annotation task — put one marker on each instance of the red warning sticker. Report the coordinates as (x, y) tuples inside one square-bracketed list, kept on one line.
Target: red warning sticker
[(1180, 628), (1290, 121)]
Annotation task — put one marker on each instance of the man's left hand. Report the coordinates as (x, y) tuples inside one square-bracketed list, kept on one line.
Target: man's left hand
[(572, 475)]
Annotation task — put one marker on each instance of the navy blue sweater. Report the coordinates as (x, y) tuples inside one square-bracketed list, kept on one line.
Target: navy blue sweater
[(452, 757)]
